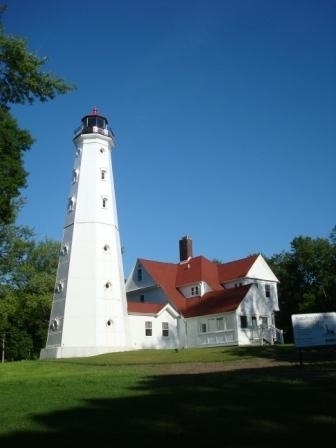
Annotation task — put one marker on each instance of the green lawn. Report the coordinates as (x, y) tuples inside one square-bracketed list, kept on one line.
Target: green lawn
[(136, 398)]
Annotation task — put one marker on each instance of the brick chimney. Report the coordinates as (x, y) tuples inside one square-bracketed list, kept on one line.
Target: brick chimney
[(185, 244)]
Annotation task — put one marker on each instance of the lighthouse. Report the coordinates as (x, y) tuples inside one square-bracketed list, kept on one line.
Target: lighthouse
[(89, 308)]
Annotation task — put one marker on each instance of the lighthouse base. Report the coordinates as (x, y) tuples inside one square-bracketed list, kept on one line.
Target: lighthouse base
[(78, 352)]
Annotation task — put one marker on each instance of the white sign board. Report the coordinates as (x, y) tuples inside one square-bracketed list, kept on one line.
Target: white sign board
[(314, 329)]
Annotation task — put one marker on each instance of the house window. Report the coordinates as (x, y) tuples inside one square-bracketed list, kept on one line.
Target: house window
[(139, 274), (194, 291), (254, 322), (203, 327), (148, 328), (212, 325), (142, 298), (165, 329), (243, 321), (267, 290), (263, 321), (220, 323)]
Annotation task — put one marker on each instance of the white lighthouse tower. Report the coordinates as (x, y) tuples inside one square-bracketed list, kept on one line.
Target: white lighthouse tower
[(89, 309)]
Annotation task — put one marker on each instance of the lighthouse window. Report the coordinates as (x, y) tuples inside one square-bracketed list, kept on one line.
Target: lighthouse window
[(101, 123), (102, 150), (108, 285), (54, 325), (71, 204), (74, 176), (59, 287), (104, 202), (103, 174), (64, 250)]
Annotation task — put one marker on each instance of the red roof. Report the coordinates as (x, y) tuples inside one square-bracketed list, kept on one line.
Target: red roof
[(236, 269), (196, 269), (145, 308), (170, 277), (215, 302)]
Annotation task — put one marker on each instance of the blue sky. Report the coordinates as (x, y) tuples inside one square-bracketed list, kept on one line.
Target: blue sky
[(223, 111)]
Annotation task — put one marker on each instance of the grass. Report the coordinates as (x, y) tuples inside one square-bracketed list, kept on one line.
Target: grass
[(141, 398)]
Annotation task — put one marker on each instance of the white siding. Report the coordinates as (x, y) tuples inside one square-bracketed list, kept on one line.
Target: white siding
[(213, 335), (139, 340)]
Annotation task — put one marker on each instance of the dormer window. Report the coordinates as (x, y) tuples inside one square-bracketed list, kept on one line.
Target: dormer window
[(194, 290)]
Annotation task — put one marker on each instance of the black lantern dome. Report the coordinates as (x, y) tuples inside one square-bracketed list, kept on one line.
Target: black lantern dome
[(94, 124)]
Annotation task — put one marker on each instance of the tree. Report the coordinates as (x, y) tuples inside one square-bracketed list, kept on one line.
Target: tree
[(307, 279), (27, 278), (22, 81)]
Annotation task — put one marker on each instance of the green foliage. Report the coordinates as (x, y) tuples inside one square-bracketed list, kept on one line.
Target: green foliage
[(27, 268), (22, 81), (307, 279), (13, 143), (27, 278)]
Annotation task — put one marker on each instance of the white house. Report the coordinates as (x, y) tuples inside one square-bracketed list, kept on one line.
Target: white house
[(200, 303)]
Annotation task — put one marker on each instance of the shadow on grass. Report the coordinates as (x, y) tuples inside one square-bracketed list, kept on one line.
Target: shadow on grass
[(288, 353), (251, 407)]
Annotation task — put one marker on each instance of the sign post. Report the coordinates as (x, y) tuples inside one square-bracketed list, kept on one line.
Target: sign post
[(314, 330)]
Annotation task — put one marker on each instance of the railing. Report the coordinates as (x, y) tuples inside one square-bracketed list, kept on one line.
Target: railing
[(226, 337), (271, 335), (93, 130)]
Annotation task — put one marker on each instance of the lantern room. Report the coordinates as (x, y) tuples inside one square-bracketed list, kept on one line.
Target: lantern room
[(93, 124)]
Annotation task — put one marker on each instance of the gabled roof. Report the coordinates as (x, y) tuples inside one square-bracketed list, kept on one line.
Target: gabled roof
[(215, 302), (164, 275), (144, 308), (195, 270), (236, 269), (170, 277)]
